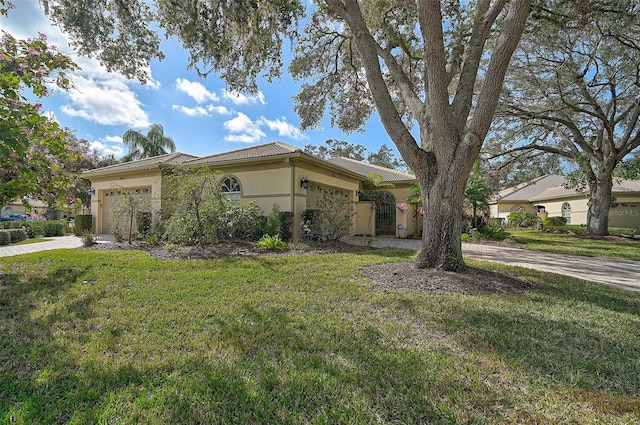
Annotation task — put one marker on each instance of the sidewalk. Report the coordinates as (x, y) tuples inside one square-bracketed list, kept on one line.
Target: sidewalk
[(56, 242), (622, 274)]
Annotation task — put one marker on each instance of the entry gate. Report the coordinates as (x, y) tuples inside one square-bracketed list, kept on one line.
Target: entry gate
[(385, 214)]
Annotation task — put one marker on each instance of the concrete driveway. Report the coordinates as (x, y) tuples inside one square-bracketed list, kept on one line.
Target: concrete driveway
[(622, 274)]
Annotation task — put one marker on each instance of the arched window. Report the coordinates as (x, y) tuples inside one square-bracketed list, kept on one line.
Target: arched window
[(566, 212), (517, 208), (231, 188)]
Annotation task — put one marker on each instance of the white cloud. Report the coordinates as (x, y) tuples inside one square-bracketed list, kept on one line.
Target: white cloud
[(192, 112), (99, 96), (246, 130), (107, 149), (106, 102), (283, 128), (113, 139), (196, 90), (241, 99), (220, 110), (207, 111)]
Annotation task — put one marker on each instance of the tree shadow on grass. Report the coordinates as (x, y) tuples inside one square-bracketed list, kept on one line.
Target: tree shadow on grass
[(264, 366), (572, 350)]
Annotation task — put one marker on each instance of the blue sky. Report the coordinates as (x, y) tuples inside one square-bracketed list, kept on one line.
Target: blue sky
[(199, 114)]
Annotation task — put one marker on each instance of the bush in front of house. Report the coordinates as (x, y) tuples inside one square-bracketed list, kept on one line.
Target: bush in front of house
[(144, 222), (522, 219), (279, 223), (83, 223), (554, 222), (331, 220), (55, 228), (223, 220), (238, 220)]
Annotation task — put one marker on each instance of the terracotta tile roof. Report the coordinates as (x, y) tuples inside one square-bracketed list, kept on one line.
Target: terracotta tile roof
[(176, 158), (364, 168), (253, 152)]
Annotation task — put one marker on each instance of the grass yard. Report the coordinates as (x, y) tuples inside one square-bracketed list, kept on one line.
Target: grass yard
[(572, 245), (34, 240), (118, 337)]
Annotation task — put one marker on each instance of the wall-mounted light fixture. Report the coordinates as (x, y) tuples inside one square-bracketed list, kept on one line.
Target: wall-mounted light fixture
[(358, 193), (92, 191), (304, 183)]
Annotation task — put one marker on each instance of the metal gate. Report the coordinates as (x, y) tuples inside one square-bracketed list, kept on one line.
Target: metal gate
[(385, 214)]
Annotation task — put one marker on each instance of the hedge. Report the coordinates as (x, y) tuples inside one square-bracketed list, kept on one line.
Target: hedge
[(83, 223), (582, 230), (39, 227), (522, 219), (5, 237), (17, 235)]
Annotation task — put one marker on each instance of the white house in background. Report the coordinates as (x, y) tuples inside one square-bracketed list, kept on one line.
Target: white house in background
[(547, 194)]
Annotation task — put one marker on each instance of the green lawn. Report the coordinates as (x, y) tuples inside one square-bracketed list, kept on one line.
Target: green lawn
[(117, 337), (572, 245), (34, 240)]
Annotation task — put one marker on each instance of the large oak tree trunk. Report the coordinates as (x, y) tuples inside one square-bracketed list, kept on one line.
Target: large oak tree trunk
[(599, 205), (442, 225)]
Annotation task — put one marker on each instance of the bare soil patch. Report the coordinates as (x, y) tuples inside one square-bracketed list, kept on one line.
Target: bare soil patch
[(405, 276)]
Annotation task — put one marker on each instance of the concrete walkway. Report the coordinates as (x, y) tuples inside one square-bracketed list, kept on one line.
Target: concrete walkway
[(56, 242), (622, 274), (618, 273)]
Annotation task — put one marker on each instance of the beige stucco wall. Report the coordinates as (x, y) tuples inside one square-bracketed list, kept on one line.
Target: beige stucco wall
[(148, 179), (365, 219), (626, 213)]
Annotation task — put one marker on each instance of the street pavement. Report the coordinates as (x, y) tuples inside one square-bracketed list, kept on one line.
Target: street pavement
[(618, 273)]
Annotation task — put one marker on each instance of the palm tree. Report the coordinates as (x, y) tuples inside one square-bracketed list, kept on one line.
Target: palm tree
[(153, 144)]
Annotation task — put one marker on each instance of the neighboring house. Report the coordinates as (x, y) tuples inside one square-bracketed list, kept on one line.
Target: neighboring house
[(548, 196), (274, 173), (36, 208)]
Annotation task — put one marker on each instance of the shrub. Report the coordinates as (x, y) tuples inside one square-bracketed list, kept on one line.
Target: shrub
[(272, 243), (5, 237), (279, 223), (332, 219), (17, 235), (522, 219), (143, 220), (88, 238), (493, 232), (554, 221), (495, 222), (55, 228), (36, 228), (310, 224), (84, 223), (239, 220)]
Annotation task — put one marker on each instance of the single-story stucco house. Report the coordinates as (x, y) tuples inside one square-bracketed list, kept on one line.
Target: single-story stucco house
[(548, 195), (273, 173)]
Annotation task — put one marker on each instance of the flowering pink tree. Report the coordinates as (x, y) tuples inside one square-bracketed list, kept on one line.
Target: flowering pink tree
[(35, 157)]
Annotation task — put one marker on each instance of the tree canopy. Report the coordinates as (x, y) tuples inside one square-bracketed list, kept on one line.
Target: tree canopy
[(573, 91), (35, 159)]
